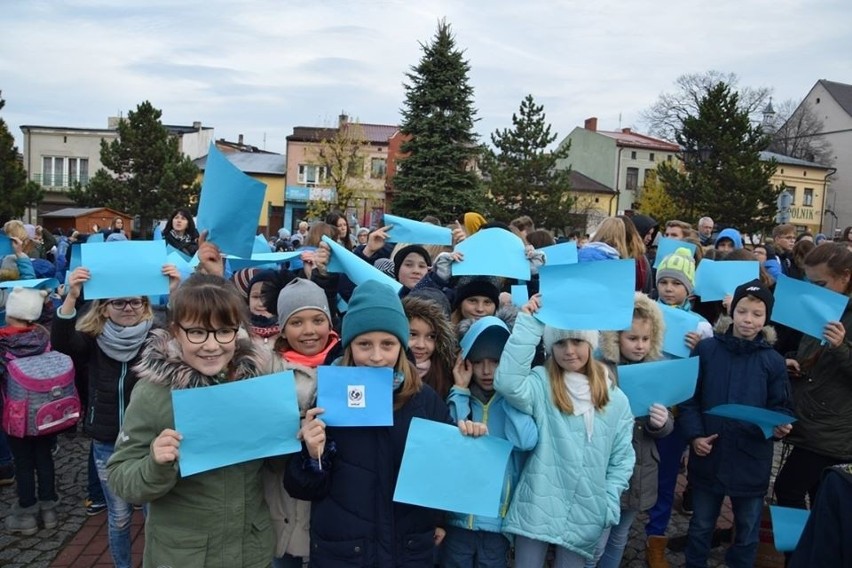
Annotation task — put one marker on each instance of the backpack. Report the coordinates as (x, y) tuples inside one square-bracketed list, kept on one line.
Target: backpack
[(39, 395)]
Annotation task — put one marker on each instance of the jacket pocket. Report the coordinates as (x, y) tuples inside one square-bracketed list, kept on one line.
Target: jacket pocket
[(419, 548), (259, 545), (173, 547), (337, 552)]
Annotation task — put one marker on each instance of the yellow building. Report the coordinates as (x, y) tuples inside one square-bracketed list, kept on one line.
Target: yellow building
[(593, 203), (808, 183)]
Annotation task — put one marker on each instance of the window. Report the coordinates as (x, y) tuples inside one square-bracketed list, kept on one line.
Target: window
[(53, 171), (792, 192), (378, 167), (311, 175), (808, 200), (669, 158), (645, 177), (651, 156), (632, 180), (78, 171), (632, 155), (355, 168)]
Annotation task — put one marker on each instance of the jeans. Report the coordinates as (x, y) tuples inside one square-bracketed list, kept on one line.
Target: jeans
[(531, 553), (670, 449), (94, 492), (33, 459), (119, 511), (706, 507), (287, 561), (5, 451), (474, 549), (613, 541)]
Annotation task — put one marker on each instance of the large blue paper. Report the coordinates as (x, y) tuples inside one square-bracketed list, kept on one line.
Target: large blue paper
[(493, 252), (562, 253), (806, 307), (663, 382), (716, 279), (95, 238), (666, 246), (765, 419), (588, 295), (787, 526), (489, 328), (180, 262), (37, 283), (75, 261), (416, 232), (678, 324), (125, 268), (229, 205), (236, 422), (355, 396), (357, 269), (520, 295), (5, 245), (442, 469)]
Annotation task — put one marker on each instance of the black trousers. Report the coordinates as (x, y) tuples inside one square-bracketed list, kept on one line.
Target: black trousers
[(800, 476), (33, 459)]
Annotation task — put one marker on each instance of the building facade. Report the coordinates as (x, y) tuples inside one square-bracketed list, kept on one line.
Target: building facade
[(808, 183)]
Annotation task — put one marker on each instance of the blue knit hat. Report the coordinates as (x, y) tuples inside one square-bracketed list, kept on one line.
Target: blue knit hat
[(375, 307)]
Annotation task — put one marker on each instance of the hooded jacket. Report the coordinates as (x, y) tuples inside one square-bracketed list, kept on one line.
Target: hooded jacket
[(733, 235), (734, 371), (446, 345), (212, 519)]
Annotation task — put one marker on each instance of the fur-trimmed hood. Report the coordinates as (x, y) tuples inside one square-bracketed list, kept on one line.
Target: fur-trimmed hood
[(306, 381), (724, 323), (506, 313), (433, 313), (161, 363), (609, 349)]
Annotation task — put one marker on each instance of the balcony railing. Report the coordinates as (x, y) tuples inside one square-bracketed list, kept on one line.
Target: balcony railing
[(60, 181)]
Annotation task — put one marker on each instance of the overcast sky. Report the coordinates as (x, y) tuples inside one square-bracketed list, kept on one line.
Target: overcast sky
[(261, 67)]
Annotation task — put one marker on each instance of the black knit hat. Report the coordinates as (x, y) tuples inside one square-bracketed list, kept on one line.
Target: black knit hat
[(756, 289), (476, 286), (403, 253)]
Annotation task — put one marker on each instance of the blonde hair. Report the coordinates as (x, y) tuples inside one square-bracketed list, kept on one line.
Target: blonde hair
[(93, 322), (612, 232), (595, 372), (410, 386), (16, 229)]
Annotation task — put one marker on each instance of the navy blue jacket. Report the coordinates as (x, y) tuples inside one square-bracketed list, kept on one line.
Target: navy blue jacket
[(734, 371), (354, 520)]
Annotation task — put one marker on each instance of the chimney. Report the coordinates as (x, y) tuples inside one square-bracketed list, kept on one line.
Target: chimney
[(591, 124), (240, 140), (197, 125), (342, 120), (626, 131)]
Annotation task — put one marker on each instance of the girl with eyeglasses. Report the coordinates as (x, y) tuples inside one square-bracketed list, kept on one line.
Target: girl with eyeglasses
[(214, 518), (108, 342)]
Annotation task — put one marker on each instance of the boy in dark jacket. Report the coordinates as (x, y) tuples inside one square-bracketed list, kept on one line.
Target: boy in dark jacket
[(729, 457)]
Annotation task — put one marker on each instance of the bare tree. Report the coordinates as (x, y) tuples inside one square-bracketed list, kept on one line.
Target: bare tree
[(665, 117), (342, 157), (800, 134)]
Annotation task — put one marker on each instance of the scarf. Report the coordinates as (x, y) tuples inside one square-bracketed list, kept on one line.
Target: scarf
[(264, 327), (580, 392), (479, 394), (311, 361), (184, 238), (423, 368), (123, 343)]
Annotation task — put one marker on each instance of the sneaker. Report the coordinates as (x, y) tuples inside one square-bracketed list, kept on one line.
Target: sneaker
[(7, 474), (94, 507)]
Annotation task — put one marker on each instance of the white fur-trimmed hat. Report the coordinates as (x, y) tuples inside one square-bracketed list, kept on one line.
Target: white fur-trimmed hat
[(554, 335), (25, 303)]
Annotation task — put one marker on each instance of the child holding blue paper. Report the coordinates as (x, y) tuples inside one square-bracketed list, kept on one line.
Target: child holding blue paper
[(474, 541), (570, 488), (209, 517), (642, 343), (734, 458)]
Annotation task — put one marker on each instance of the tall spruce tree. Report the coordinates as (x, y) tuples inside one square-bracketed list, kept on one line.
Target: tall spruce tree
[(17, 193), (437, 174), (523, 175), (146, 174), (724, 177)]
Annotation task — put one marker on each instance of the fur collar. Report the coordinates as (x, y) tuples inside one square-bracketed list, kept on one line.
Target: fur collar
[(609, 349), (161, 363), (724, 323), (432, 313)]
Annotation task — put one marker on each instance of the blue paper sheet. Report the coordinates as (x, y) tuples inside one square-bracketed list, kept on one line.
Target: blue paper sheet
[(678, 324), (493, 252), (441, 469), (357, 269), (806, 307), (416, 232), (355, 396), (787, 526), (180, 262), (765, 419), (490, 328), (236, 422), (74, 262), (170, 249), (5, 245), (262, 260), (716, 279), (95, 238), (37, 283), (588, 295), (666, 246), (520, 295), (125, 268), (562, 253), (667, 382), (229, 205)]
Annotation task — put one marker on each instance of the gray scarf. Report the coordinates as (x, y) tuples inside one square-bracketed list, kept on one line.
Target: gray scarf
[(123, 343)]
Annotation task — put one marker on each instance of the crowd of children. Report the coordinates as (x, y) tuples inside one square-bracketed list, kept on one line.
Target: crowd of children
[(582, 466)]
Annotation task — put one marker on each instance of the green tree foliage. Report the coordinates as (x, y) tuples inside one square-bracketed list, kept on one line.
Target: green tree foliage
[(655, 201), (343, 157), (145, 172), (437, 176), (523, 175), (724, 177), (17, 193)]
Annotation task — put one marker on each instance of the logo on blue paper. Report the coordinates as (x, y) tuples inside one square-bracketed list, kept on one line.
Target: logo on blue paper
[(355, 397)]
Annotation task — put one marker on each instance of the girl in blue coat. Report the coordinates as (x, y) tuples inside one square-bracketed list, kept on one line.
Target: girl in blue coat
[(570, 488)]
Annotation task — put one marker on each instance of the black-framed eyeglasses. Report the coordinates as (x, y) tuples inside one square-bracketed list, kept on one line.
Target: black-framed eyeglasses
[(198, 335), (135, 303)]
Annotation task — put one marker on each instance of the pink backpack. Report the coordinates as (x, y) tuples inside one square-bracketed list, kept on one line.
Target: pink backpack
[(39, 395)]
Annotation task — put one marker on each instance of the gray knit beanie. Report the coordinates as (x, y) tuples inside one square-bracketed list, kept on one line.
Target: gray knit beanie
[(298, 295)]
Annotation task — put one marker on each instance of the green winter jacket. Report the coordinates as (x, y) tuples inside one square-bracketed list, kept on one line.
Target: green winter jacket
[(215, 519)]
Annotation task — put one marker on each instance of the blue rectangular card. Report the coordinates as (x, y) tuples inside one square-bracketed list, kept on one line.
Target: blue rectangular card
[(357, 269), (493, 252), (442, 469), (666, 246), (125, 268), (787, 526), (562, 253), (520, 295), (716, 279), (95, 238), (236, 422), (36, 283), (416, 232), (589, 295), (662, 382), (229, 205), (355, 396), (678, 324), (806, 307), (5, 245), (765, 419)]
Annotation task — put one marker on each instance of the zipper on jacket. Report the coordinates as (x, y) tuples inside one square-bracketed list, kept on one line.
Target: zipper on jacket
[(121, 380), (504, 508)]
